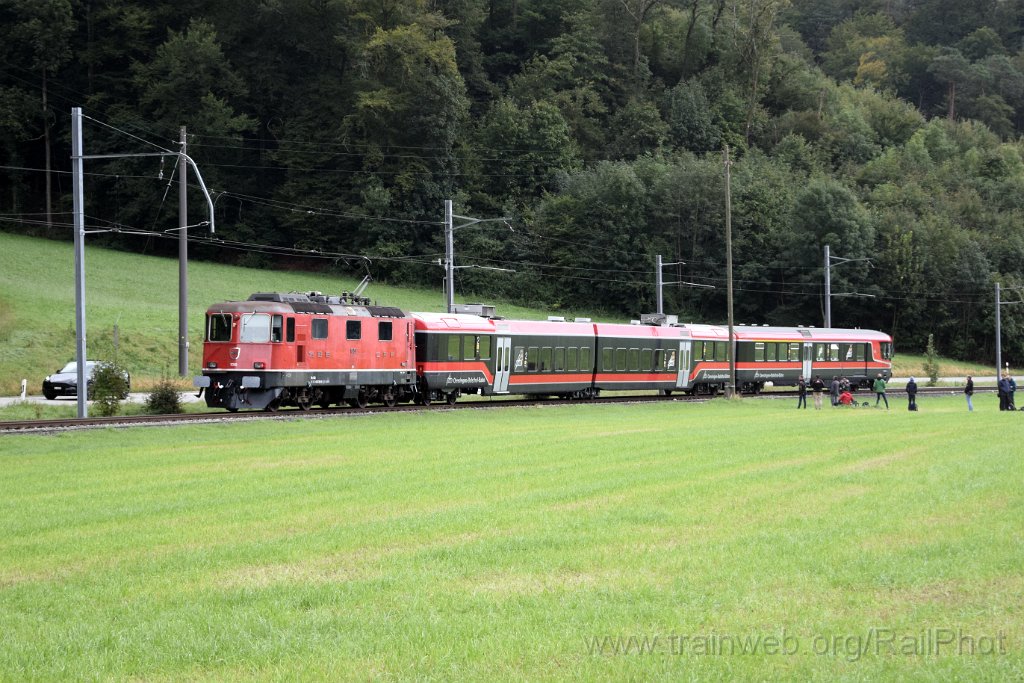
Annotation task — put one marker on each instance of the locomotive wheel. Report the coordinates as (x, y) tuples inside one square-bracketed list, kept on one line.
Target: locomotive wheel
[(303, 404), (451, 397), (390, 400), (360, 401)]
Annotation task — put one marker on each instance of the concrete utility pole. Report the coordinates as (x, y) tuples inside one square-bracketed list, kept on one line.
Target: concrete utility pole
[(659, 283), (449, 250), (449, 258), (78, 199), (730, 390), (828, 289), (999, 338), (78, 196), (183, 259), (999, 331), (828, 282)]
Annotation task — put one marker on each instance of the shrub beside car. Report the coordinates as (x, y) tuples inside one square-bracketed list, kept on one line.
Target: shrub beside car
[(64, 382)]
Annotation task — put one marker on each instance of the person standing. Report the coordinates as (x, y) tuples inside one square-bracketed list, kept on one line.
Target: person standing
[(1004, 391), (817, 386), (801, 393), (833, 390), (911, 394), (968, 392), (1012, 386), (879, 388)]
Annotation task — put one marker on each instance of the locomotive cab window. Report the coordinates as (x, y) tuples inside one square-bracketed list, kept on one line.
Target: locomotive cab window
[(255, 328), (384, 331), (218, 327), (289, 330), (353, 329), (276, 327)]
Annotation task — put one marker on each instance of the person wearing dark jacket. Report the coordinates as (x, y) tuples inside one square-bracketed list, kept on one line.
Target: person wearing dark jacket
[(833, 390), (911, 394), (801, 393), (1004, 392), (968, 392), (1011, 404), (817, 386)]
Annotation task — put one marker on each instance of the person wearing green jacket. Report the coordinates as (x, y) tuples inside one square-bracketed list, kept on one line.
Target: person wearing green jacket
[(879, 388)]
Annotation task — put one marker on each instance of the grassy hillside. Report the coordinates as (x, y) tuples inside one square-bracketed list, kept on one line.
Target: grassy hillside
[(138, 294), (557, 543)]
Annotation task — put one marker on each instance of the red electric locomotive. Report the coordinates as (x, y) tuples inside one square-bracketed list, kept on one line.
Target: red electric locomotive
[(303, 350)]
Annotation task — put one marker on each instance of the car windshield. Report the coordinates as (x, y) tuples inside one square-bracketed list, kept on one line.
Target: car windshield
[(90, 365)]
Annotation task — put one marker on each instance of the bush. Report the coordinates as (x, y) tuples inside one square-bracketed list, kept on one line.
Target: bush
[(164, 399), (109, 388)]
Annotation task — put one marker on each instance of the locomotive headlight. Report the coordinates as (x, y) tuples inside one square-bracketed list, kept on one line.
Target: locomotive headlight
[(211, 364), (259, 365)]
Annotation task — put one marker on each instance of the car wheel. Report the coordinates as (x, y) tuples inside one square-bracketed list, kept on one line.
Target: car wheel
[(49, 394)]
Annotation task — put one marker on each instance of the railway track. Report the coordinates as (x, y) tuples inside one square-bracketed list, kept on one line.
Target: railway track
[(72, 424)]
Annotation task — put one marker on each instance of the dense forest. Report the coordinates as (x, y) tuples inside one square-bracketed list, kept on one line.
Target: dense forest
[(330, 132)]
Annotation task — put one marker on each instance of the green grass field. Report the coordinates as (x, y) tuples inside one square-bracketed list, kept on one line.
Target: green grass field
[(524, 544)]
